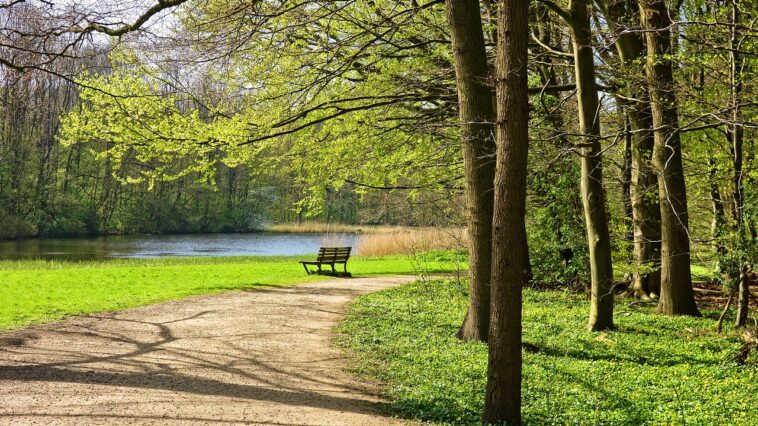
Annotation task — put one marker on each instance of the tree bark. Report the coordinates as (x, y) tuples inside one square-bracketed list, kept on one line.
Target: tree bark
[(646, 214), (743, 298), (476, 114), (646, 211), (677, 297), (717, 207), (503, 398), (542, 27), (626, 188), (736, 134), (593, 195)]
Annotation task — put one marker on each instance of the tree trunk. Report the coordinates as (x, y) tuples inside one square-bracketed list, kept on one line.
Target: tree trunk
[(626, 188), (646, 210), (476, 114), (542, 26), (593, 196), (717, 207), (737, 136), (503, 399), (646, 219), (677, 297), (743, 298)]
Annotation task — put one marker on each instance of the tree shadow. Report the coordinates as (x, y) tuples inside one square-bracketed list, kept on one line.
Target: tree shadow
[(311, 290), (588, 353), (632, 413), (146, 357), (152, 419)]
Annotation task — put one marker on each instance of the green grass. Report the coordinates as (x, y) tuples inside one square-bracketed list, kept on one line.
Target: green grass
[(701, 271), (653, 370), (40, 291)]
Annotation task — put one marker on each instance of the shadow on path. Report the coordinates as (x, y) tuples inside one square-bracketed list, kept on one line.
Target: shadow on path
[(264, 348)]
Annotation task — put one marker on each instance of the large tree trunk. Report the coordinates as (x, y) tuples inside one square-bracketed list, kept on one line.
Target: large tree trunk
[(622, 16), (593, 195), (503, 399), (476, 113), (646, 211), (677, 297)]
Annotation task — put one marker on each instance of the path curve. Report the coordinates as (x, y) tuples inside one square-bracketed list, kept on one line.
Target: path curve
[(262, 356)]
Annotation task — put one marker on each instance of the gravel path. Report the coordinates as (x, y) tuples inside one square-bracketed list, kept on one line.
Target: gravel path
[(259, 357)]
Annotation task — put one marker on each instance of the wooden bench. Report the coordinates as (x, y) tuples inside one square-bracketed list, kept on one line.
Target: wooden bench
[(329, 256)]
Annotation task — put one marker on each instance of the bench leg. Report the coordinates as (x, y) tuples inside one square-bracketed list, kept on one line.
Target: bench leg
[(319, 269), (334, 271), (306, 269)]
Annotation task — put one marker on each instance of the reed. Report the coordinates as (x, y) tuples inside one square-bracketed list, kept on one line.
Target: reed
[(381, 240), (333, 228), (410, 240)]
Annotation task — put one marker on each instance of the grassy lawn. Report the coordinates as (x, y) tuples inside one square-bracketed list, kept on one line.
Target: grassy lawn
[(653, 370), (39, 291)]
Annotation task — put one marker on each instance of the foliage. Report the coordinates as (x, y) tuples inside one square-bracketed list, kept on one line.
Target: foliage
[(555, 220), (653, 370), (718, 65), (364, 113), (147, 141), (49, 188)]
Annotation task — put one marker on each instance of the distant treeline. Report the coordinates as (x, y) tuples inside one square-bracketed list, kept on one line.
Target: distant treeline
[(49, 189)]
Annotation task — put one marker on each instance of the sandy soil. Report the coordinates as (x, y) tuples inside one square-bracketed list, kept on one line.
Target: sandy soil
[(259, 357)]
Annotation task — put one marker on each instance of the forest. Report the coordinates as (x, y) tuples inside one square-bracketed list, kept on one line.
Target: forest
[(602, 147)]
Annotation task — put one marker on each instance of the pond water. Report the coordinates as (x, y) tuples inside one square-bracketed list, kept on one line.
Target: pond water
[(150, 246)]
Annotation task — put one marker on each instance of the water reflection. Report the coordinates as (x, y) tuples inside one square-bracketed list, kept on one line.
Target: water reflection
[(149, 246)]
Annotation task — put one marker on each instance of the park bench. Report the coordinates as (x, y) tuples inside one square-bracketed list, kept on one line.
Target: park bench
[(329, 256)]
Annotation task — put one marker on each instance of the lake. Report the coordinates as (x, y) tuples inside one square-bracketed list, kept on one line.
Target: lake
[(151, 246)]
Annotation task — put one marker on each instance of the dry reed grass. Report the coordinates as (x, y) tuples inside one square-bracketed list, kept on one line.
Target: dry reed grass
[(410, 240), (333, 228), (381, 240)]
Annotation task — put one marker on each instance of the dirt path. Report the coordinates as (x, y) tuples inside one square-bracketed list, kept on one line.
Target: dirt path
[(256, 357)]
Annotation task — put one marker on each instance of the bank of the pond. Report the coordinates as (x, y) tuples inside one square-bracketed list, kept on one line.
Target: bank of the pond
[(175, 245), (39, 291), (653, 370)]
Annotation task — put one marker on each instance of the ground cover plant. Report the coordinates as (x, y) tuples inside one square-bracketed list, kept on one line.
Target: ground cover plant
[(653, 370), (39, 291)]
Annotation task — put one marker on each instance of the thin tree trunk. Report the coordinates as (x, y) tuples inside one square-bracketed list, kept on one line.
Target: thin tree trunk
[(717, 206), (503, 398), (646, 219), (737, 136), (626, 188), (720, 322), (593, 195), (542, 25), (743, 298), (677, 296), (476, 114)]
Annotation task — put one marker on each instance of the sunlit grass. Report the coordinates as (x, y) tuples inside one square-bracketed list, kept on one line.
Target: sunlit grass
[(39, 291)]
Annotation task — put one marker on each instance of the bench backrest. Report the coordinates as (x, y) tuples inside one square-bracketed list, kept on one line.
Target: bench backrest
[(333, 254)]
